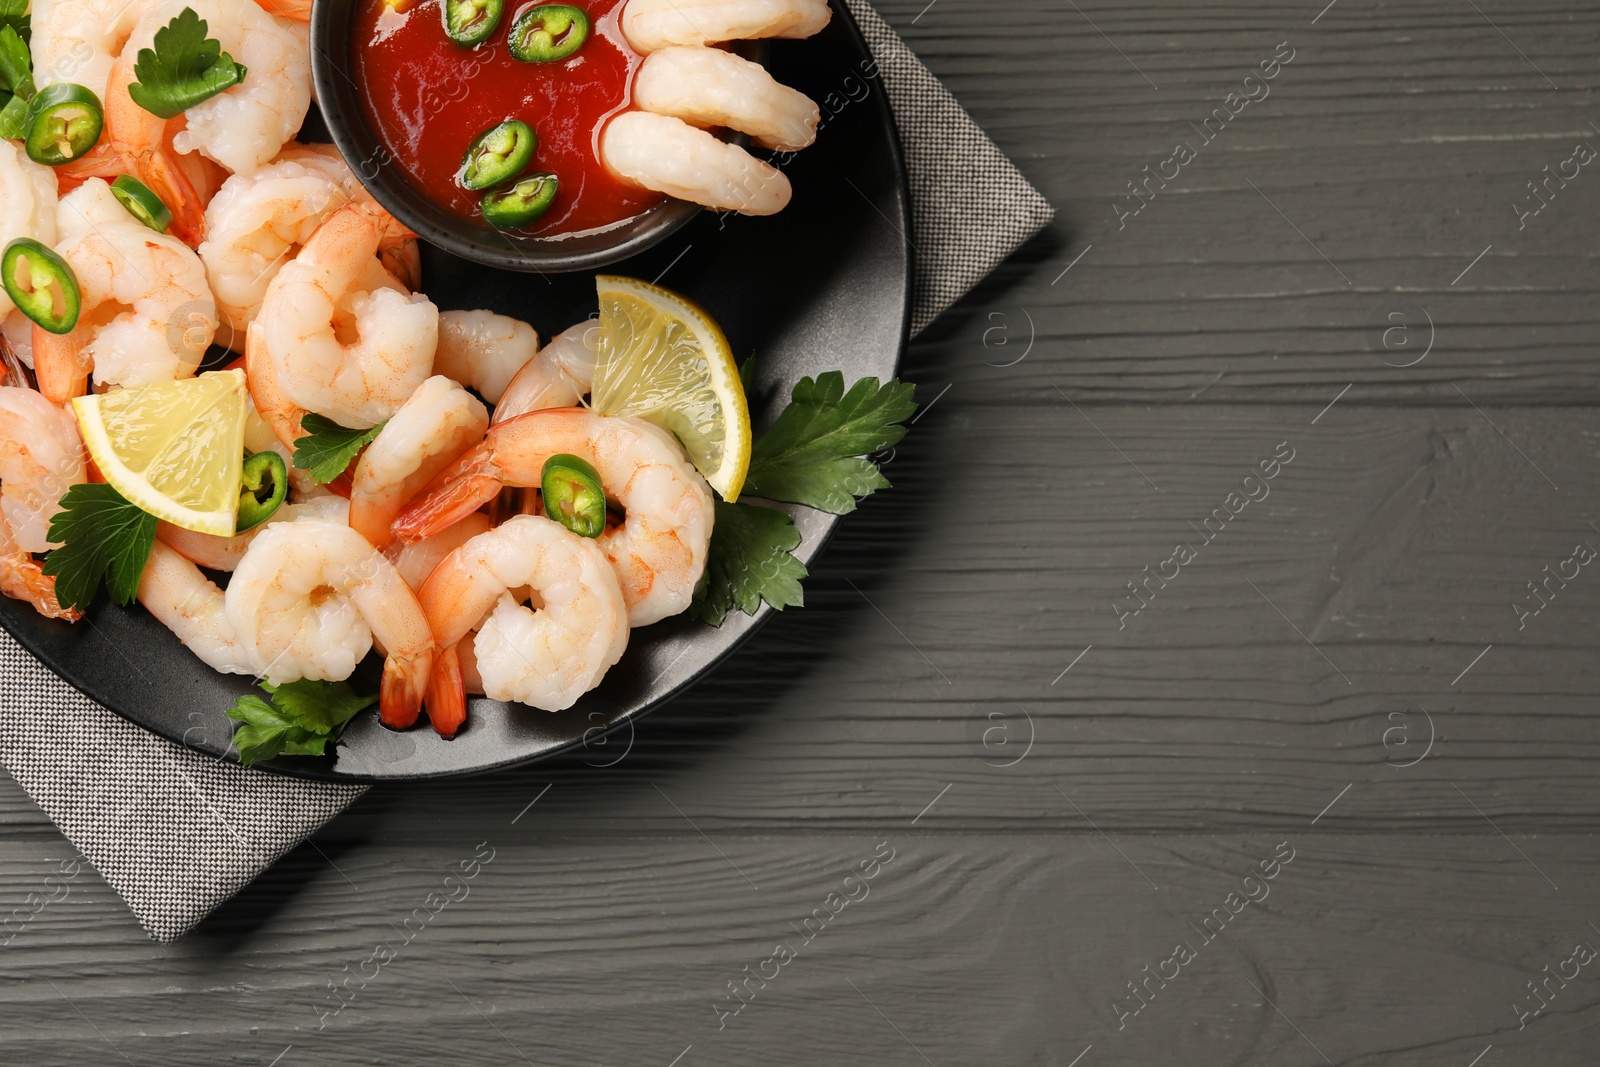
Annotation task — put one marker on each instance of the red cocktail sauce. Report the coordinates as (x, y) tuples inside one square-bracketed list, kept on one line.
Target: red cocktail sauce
[(428, 97)]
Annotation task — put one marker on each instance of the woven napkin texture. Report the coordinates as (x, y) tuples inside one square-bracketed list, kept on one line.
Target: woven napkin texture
[(177, 833)]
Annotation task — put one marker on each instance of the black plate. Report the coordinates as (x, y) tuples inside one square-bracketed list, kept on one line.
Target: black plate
[(825, 285)]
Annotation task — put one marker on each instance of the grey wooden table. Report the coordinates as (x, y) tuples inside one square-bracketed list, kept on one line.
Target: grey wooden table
[(1027, 782)]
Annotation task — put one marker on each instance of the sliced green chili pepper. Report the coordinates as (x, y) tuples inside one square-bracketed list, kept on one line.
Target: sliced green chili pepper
[(64, 122), (497, 155), (548, 32), (142, 202), (572, 495), (262, 489), (470, 21), (41, 284), (521, 204)]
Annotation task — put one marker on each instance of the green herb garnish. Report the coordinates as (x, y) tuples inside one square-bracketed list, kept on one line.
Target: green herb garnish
[(101, 536), (328, 448), (297, 719), (815, 454), (184, 68)]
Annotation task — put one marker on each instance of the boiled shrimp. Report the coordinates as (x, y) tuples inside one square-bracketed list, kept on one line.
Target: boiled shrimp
[(659, 551), (310, 598), (547, 656), (146, 312), (446, 699), (483, 350), (244, 126), (27, 203), (257, 222), (560, 376), (440, 421), (80, 40), (192, 607), (654, 24), (350, 353), (670, 156), (40, 459), (218, 553), (711, 87)]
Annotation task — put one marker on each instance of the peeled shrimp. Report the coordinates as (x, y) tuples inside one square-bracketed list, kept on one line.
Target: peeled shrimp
[(40, 459), (27, 203), (351, 353), (309, 599), (711, 87), (79, 40), (548, 656), (653, 24), (218, 553), (243, 126), (440, 421), (417, 560), (560, 376), (257, 222), (191, 606), (659, 552), (670, 156), (483, 350), (147, 313)]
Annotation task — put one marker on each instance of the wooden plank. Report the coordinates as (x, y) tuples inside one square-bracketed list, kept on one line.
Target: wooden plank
[(1395, 142), (976, 948)]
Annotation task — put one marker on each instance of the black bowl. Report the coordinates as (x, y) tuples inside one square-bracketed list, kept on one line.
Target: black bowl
[(333, 75)]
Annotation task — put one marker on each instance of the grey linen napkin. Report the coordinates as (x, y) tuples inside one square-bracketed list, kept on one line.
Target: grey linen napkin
[(177, 833)]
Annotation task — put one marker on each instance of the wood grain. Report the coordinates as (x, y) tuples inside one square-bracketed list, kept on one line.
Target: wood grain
[(1069, 793)]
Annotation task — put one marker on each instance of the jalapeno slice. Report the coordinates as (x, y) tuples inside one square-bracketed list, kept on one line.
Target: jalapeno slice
[(573, 496), (41, 284), (497, 155), (521, 204), (142, 202), (468, 22), (549, 32), (262, 489), (64, 122)]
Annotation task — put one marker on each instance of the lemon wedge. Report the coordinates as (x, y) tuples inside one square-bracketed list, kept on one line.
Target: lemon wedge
[(663, 359), (173, 449)]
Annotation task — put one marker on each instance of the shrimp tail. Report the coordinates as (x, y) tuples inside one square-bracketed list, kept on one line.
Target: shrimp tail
[(61, 363), (26, 580), (165, 175), (458, 491), (400, 693), (447, 694)]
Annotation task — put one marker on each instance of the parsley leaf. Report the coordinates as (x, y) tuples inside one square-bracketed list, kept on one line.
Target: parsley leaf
[(328, 448), (13, 116), (185, 68), (749, 562), (813, 453), (101, 535), (16, 65), (14, 13), (298, 719)]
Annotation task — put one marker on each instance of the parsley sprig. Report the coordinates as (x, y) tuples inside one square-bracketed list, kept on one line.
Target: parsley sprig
[(296, 719), (815, 454), (184, 68), (328, 448), (16, 69), (101, 536)]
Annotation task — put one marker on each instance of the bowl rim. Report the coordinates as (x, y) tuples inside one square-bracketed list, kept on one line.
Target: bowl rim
[(331, 24)]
